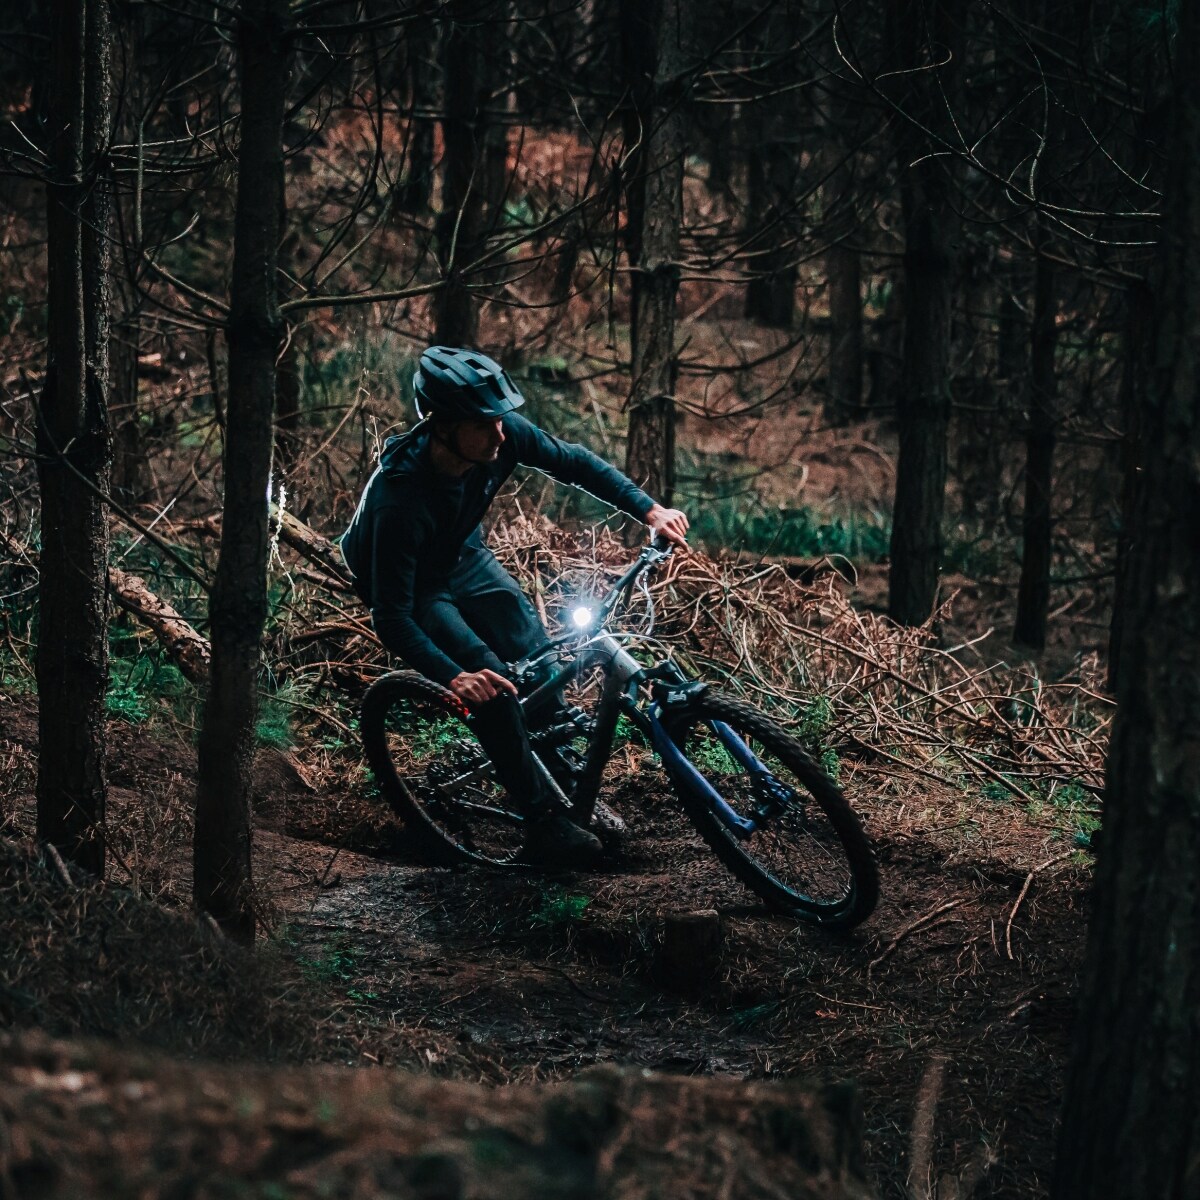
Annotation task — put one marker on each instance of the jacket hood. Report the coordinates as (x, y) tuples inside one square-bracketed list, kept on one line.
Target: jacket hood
[(403, 451)]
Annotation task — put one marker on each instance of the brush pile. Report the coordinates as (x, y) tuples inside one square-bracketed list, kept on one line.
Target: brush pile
[(889, 698), (886, 698)]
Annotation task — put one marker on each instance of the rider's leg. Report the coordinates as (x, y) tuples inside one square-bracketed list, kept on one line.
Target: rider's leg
[(492, 601), (496, 607), (551, 838), (500, 724), (500, 727), (454, 618)]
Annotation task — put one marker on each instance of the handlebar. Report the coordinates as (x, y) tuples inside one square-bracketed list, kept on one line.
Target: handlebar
[(656, 550)]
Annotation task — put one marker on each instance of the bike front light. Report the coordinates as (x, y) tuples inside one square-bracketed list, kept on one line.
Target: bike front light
[(582, 617)]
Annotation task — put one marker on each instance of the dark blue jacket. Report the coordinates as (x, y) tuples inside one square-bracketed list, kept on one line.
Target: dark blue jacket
[(412, 522)]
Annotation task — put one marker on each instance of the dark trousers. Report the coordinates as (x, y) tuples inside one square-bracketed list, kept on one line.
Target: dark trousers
[(479, 616)]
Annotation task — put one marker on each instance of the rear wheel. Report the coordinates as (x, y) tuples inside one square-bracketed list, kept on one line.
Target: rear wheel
[(435, 775), (807, 854)]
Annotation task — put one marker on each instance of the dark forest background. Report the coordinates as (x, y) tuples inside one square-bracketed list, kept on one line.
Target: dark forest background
[(893, 289)]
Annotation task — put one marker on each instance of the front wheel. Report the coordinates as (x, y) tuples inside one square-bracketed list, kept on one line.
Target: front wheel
[(801, 847)]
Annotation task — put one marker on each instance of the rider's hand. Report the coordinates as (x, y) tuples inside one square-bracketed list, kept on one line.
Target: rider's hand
[(672, 523), (478, 687)]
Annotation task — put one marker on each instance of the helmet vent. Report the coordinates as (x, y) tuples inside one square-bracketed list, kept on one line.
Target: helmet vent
[(457, 384)]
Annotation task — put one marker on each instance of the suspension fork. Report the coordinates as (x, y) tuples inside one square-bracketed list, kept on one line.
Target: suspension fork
[(737, 748), (686, 778)]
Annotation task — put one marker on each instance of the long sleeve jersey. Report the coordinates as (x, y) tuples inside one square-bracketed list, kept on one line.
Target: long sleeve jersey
[(413, 521)]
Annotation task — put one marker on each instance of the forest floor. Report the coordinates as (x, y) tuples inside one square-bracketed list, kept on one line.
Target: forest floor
[(960, 987)]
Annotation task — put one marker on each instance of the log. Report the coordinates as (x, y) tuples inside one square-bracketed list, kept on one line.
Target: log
[(293, 532), (188, 650), (310, 544)]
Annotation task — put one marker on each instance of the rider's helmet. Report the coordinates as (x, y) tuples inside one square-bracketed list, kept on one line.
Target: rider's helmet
[(463, 385)]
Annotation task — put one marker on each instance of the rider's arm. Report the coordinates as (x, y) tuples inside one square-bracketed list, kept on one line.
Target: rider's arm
[(575, 465), (395, 543)]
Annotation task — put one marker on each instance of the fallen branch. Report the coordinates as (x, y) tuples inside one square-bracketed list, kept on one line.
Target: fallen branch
[(948, 1185), (59, 865), (920, 1170), (1025, 891), (188, 650), (310, 544), (912, 927)]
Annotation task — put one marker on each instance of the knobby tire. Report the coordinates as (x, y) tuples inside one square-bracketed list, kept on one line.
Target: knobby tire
[(429, 838)]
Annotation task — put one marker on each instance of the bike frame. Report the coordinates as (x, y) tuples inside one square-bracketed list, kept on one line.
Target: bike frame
[(623, 679)]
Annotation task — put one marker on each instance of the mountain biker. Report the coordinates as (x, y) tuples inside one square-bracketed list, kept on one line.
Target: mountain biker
[(438, 597)]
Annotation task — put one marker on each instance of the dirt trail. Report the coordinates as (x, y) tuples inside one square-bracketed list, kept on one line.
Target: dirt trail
[(486, 976), (503, 977)]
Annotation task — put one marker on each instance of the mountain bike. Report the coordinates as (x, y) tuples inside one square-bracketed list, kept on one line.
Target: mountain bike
[(751, 789)]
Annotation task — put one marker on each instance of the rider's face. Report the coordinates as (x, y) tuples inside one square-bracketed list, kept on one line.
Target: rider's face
[(479, 441)]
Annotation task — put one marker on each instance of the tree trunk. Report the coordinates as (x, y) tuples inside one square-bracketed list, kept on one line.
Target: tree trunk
[(884, 341), (772, 172), (421, 55), (843, 397), (1033, 593), (716, 125), (650, 47), (131, 476), (997, 383), (1140, 319), (1010, 323), (974, 432), (461, 225), (73, 440), (130, 472), (1131, 1118), (929, 266), (239, 600)]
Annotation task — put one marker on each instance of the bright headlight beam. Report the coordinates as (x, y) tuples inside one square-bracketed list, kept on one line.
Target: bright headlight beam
[(581, 618)]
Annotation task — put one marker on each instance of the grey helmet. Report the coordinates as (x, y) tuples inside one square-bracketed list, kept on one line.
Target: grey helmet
[(463, 385)]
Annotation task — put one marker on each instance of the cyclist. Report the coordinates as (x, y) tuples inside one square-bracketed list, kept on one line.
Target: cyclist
[(438, 597)]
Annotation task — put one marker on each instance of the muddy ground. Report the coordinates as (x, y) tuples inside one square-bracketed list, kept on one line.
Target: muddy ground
[(501, 977)]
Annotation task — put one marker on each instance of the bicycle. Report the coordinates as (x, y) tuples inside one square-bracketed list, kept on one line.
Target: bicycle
[(753, 792)]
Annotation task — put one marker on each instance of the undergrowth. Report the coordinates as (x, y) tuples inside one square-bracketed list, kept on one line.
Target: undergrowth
[(556, 907), (97, 960)]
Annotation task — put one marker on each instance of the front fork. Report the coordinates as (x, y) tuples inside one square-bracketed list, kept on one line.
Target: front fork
[(619, 695), (685, 776)]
